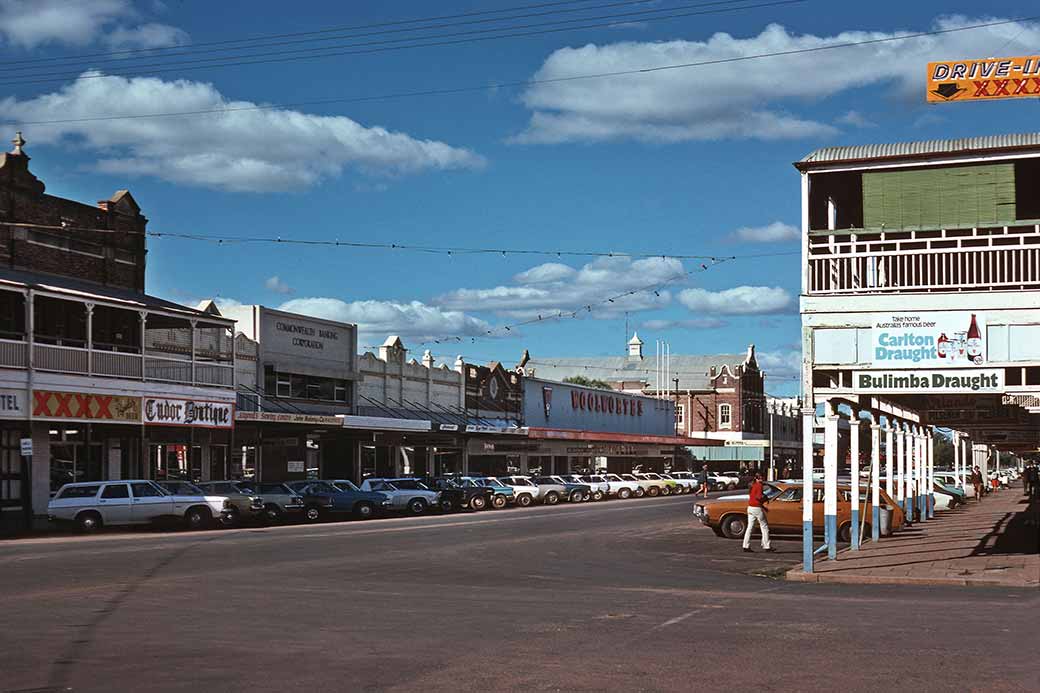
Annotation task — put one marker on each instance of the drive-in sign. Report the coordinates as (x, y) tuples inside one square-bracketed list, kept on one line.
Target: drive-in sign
[(188, 412)]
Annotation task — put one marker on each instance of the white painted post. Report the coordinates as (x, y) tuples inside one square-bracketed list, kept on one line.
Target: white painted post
[(808, 418), (875, 481), (889, 444), (956, 459), (901, 463), (908, 479), (830, 479), (854, 468), (931, 472)]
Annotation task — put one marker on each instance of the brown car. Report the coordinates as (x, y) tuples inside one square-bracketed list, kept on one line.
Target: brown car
[(728, 516)]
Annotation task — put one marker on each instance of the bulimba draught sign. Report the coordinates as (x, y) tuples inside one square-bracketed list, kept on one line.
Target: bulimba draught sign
[(928, 340), (923, 382)]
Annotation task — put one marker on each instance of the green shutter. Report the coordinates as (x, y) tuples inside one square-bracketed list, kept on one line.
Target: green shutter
[(952, 197)]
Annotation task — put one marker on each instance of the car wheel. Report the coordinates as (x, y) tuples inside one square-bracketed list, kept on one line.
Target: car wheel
[(732, 487), (231, 519), (552, 498), (447, 505), (197, 518), (597, 496), (733, 526), (577, 497), (313, 513), (417, 506), (688, 489), (272, 513), (89, 522), (845, 533), (524, 500), (364, 511), (666, 490), (640, 492), (498, 501), (653, 491), (624, 493), (478, 502)]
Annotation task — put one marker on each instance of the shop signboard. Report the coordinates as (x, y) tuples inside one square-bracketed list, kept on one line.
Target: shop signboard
[(288, 418), (86, 406), (168, 411), (927, 382), (385, 423), (302, 344), (983, 80), (560, 405), (476, 428), (928, 340), (12, 404), (295, 466)]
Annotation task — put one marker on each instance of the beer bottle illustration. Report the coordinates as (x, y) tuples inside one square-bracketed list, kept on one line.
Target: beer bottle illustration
[(943, 345), (974, 345)]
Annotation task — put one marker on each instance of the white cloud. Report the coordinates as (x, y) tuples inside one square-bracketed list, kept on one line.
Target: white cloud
[(740, 300), (780, 364), (553, 287), (278, 286), (31, 23), (745, 99), (856, 120), (256, 151), (770, 233), (693, 324), (414, 321)]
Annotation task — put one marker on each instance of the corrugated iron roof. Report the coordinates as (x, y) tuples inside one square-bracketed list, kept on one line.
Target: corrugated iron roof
[(924, 148)]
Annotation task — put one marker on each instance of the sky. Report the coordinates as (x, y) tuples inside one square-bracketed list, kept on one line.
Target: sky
[(693, 161)]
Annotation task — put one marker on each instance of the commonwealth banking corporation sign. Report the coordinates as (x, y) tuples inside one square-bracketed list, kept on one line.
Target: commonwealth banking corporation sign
[(924, 382)]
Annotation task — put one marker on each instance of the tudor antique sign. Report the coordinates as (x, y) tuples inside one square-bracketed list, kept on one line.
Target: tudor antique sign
[(90, 406), (166, 411), (925, 382), (979, 80)]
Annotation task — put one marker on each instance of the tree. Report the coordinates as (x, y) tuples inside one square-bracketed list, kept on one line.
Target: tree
[(587, 382)]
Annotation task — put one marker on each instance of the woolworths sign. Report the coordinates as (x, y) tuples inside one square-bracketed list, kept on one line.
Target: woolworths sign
[(928, 340), (988, 380)]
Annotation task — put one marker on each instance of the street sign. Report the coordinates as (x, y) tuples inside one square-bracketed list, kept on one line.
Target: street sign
[(981, 80), (26, 444)]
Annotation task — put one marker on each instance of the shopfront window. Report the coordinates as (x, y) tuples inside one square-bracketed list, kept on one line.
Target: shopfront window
[(170, 462), (218, 462), (10, 469), (73, 458)]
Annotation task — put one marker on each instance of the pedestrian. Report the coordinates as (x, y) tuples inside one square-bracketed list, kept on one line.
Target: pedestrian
[(756, 512), (702, 479), (976, 482)]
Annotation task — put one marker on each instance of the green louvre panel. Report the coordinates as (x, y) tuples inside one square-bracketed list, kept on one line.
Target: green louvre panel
[(953, 197)]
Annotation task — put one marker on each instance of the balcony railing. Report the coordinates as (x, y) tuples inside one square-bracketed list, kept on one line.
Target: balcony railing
[(13, 354), (945, 260)]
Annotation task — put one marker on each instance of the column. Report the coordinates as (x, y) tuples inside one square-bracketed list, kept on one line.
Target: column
[(875, 473), (854, 469), (931, 472), (90, 343), (956, 459), (908, 477), (830, 478), (889, 444), (901, 462), (808, 413)]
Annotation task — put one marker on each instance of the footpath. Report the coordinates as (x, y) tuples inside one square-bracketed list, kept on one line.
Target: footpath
[(992, 543)]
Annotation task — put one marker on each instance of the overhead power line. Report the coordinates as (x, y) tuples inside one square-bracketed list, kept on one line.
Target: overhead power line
[(519, 83), (334, 51), (276, 40)]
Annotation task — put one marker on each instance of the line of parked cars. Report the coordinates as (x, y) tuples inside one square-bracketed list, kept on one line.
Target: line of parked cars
[(92, 505)]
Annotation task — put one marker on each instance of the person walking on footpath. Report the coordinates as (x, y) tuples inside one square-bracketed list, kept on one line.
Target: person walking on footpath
[(756, 512), (976, 482), (702, 479)]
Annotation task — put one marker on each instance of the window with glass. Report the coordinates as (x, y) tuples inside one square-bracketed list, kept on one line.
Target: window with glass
[(310, 387), (143, 489), (116, 491), (58, 322), (12, 315), (73, 458), (725, 416), (79, 492)]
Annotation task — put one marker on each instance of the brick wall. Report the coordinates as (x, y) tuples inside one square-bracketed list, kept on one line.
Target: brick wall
[(112, 255)]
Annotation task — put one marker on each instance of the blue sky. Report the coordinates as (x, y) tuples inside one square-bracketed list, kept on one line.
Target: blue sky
[(694, 161)]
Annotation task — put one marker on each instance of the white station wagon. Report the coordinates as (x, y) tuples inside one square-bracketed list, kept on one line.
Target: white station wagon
[(92, 505)]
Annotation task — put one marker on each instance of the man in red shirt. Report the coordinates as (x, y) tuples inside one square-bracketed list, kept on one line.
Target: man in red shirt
[(756, 512)]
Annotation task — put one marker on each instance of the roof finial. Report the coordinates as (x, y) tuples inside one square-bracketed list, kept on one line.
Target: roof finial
[(18, 143)]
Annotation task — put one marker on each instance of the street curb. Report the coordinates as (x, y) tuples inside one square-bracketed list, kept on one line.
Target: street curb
[(797, 575)]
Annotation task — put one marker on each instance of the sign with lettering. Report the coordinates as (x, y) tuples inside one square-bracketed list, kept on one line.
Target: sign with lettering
[(288, 418), (288, 340), (165, 411), (606, 403), (85, 406), (924, 382), (12, 404), (980, 80), (928, 340), (295, 466)]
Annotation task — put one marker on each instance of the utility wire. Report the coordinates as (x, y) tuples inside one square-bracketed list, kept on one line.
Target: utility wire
[(522, 83), (332, 51), (188, 51)]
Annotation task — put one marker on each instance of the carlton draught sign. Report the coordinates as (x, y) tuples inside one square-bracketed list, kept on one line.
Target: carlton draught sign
[(928, 340)]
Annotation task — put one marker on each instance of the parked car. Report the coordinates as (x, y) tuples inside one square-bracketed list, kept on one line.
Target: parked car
[(622, 488), (410, 495), (457, 493), (600, 488), (554, 489), (281, 503), (502, 494), (323, 500), (644, 485), (728, 517), (684, 485), (92, 505), (659, 486), (586, 490), (247, 505), (525, 490), (733, 479)]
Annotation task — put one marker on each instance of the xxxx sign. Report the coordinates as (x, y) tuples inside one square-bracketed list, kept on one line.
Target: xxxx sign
[(91, 406), (977, 80)]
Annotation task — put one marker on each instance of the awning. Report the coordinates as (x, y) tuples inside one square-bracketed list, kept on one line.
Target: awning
[(595, 436)]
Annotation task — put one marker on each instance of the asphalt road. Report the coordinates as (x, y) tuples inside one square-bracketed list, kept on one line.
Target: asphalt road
[(621, 595)]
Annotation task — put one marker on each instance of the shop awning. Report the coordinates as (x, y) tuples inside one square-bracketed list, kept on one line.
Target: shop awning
[(599, 437)]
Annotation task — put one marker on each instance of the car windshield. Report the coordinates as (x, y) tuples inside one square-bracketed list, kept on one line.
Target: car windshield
[(544, 480), (182, 488), (321, 487), (613, 477), (273, 489), (345, 485), (494, 483), (244, 487), (628, 477), (410, 485)]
